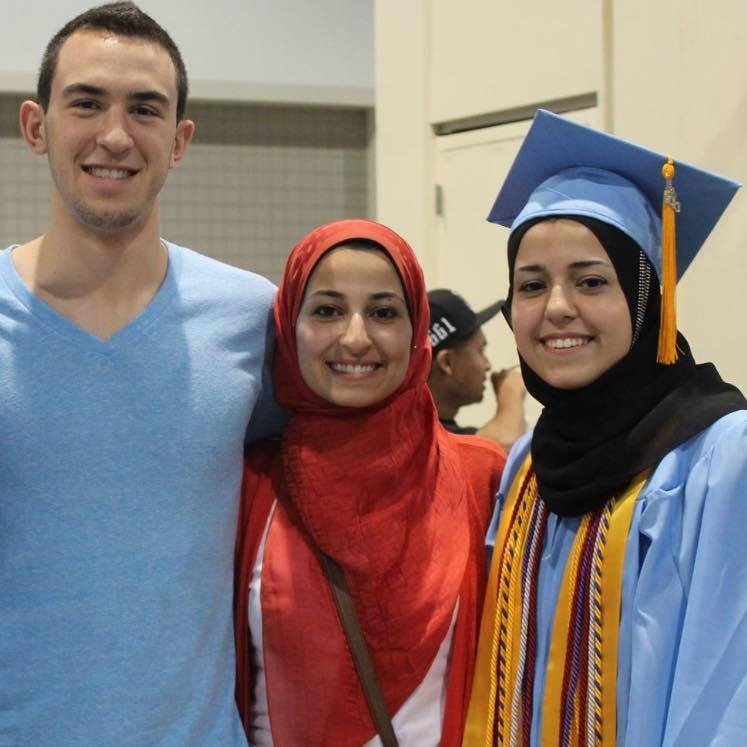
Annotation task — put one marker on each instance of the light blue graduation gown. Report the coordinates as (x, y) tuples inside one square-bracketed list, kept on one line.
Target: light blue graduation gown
[(682, 664)]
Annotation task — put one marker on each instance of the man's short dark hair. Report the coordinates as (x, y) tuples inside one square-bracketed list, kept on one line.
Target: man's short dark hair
[(122, 19)]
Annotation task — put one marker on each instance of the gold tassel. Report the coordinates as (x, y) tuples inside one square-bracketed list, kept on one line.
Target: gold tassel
[(667, 350)]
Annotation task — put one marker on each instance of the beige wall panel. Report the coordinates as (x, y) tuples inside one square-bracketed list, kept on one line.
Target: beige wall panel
[(470, 252), (404, 152), (491, 55), (679, 84)]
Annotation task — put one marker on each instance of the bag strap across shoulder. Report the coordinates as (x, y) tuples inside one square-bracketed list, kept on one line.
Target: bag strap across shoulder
[(357, 645)]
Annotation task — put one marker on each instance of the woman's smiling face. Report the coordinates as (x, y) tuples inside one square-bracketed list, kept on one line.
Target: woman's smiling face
[(353, 331), (569, 314)]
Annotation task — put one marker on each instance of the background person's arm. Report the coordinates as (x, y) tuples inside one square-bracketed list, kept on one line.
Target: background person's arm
[(509, 421)]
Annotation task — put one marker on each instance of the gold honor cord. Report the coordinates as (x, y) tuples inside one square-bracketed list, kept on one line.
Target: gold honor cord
[(495, 705), (607, 581), (481, 716)]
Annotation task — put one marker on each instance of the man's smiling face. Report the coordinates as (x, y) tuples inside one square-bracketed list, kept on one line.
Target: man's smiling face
[(110, 129)]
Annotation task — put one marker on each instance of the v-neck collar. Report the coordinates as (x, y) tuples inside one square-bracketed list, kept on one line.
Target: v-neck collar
[(64, 327)]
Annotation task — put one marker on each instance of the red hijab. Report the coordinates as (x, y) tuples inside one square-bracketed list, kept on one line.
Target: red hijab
[(383, 491)]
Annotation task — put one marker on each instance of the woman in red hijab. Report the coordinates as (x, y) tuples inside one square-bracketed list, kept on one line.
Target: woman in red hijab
[(365, 474)]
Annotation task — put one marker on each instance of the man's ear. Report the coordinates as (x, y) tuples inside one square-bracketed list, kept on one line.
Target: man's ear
[(184, 132), (444, 360), (31, 119)]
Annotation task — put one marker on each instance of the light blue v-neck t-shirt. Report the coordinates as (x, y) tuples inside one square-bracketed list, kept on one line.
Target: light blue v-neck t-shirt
[(120, 469)]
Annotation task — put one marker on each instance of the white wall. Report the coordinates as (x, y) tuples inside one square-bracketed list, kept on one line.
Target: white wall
[(246, 50), (404, 165)]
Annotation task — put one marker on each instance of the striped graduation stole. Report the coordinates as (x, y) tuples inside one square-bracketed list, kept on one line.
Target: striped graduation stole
[(580, 694)]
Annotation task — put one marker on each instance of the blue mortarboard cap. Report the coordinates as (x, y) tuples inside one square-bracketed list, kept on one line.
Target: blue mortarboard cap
[(564, 168)]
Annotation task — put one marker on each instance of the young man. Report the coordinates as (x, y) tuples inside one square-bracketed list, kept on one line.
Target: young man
[(131, 370), (459, 369)]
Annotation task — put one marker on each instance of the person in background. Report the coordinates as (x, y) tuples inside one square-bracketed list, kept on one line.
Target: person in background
[(366, 479), (131, 370), (616, 609), (459, 369)]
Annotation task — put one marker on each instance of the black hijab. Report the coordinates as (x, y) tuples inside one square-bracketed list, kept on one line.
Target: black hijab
[(590, 442)]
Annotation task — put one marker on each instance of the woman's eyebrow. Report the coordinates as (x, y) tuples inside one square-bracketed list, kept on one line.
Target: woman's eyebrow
[(383, 295), (328, 292), (579, 264), (589, 263), (378, 296), (530, 268)]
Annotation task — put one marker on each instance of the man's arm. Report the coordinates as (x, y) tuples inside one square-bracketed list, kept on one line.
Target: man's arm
[(268, 418)]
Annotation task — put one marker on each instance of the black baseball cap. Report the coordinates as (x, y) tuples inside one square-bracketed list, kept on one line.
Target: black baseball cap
[(452, 319)]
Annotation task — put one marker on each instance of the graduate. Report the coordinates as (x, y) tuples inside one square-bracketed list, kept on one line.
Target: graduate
[(616, 610)]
